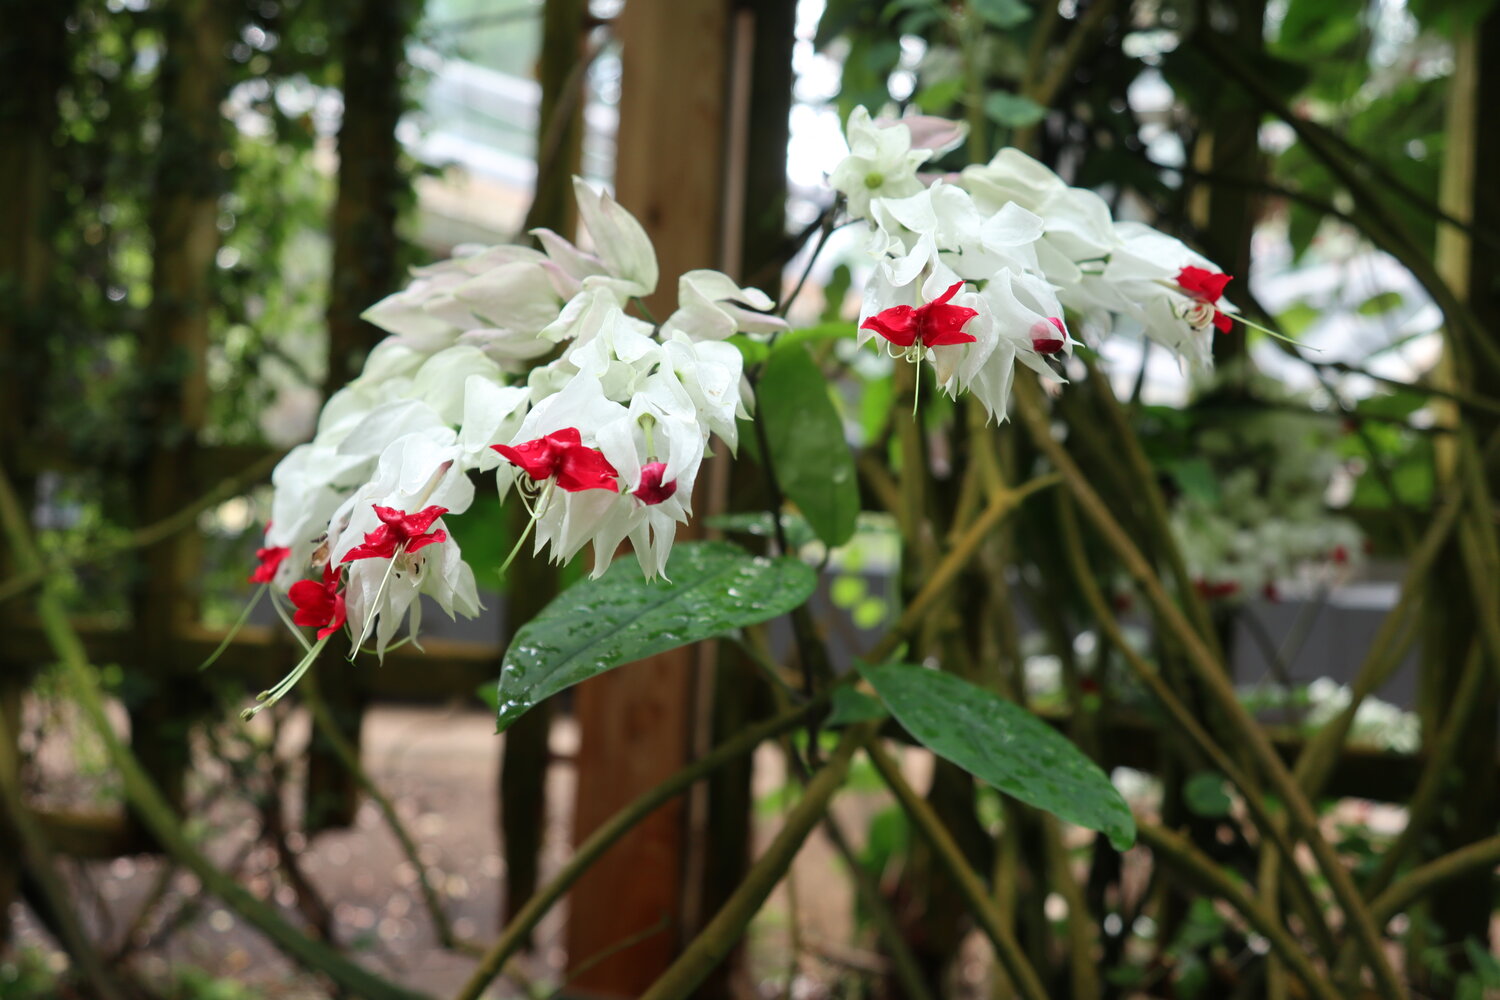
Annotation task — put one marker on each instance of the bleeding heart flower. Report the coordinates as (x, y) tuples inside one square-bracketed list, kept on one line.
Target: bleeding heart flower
[(563, 456), (1043, 338), (1207, 287), (652, 490), (319, 604), (936, 324), (399, 531), (270, 560)]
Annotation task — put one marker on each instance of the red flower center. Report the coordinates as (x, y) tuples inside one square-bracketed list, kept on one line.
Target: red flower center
[(399, 530), (1207, 287), (562, 455), (319, 604), (652, 490), (936, 324)]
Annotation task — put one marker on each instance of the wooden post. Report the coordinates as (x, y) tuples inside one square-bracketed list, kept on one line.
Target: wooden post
[(184, 216), (533, 580), (762, 37), (366, 267), (635, 720)]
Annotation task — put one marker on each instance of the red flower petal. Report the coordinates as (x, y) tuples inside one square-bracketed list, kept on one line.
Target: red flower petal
[(399, 529), (1042, 340), (319, 604), (539, 458), (270, 560), (1222, 321), (941, 325), (896, 324), (652, 490), (336, 617), (1202, 283), (586, 469)]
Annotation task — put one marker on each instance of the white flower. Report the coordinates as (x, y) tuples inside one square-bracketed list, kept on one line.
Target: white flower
[(711, 306), (881, 163)]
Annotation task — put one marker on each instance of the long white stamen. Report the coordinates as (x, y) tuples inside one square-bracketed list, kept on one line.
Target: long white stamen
[(536, 515), (372, 609), (291, 626), (235, 628), (275, 694)]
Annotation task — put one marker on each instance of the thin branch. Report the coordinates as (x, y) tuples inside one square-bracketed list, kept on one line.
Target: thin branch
[(147, 799), (1179, 853), (718, 938), (525, 921), (1211, 673), (996, 927)]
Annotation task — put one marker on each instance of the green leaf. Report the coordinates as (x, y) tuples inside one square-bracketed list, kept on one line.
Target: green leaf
[(1204, 794), (940, 96), (1195, 477), (1003, 14), (805, 437), (713, 587), (1003, 745), (850, 706), (1379, 305), (1013, 110), (758, 525)]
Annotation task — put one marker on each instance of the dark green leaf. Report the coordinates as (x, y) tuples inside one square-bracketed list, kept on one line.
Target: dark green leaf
[(1204, 794), (1004, 745), (714, 587), (1003, 14), (1195, 477), (1013, 110), (850, 706), (805, 437), (758, 524)]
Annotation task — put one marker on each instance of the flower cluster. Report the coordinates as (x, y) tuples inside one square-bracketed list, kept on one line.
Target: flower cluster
[(529, 364), (1260, 520), (977, 272)]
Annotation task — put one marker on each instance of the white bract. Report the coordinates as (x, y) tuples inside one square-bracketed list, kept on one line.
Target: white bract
[(529, 364), (1034, 256)]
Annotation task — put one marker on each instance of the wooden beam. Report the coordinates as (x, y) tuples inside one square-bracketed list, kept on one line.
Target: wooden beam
[(636, 720)]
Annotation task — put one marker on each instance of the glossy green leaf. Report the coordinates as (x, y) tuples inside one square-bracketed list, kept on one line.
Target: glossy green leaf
[(805, 437), (596, 625), (1013, 110), (1003, 745), (850, 706)]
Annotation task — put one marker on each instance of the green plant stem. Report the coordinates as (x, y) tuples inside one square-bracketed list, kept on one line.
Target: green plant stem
[(1463, 327), (937, 582), (1425, 802), (1478, 856), (1249, 789), (903, 962), (718, 938), (1146, 482), (39, 863), (147, 799), (312, 696), (1217, 685), (1179, 853), (994, 923), (1046, 90), (525, 921)]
